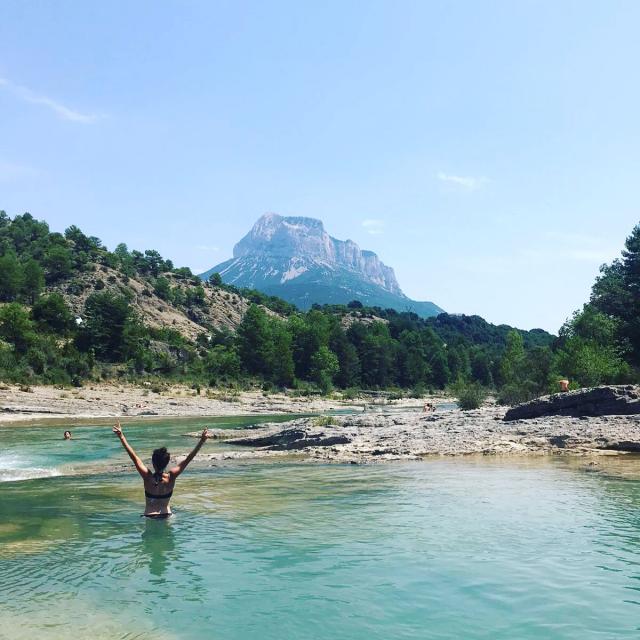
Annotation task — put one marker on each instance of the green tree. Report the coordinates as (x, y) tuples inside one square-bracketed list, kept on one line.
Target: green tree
[(439, 374), (588, 351), (255, 347), (154, 262), (348, 361), (162, 288), (223, 360), (413, 365), (481, 367), (58, 263), (513, 362), (377, 354), (540, 365), (16, 327), (324, 365), (11, 277), (282, 367), (458, 361), (616, 293), (215, 279), (52, 314), (195, 296), (33, 280), (124, 259), (109, 328)]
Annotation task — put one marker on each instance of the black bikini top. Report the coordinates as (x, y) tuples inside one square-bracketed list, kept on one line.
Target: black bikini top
[(164, 496)]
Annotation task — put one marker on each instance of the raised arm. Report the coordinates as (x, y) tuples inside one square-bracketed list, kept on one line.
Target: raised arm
[(177, 470), (140, 466)]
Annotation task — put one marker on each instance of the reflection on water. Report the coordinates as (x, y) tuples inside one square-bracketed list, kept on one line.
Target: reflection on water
[(473, 549), (157, 546)]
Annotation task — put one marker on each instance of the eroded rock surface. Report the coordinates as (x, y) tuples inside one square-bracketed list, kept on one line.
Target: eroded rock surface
[(413, 436), (596, 401), (289, 439)]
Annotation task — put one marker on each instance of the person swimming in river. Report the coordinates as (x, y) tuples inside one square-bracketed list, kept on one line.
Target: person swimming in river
[(158, 484), (67, 435)]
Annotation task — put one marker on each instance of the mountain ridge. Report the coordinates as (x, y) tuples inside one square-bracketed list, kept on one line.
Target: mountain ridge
[(295, 258)]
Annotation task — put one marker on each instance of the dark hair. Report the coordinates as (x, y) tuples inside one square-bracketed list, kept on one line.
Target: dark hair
[(160, 459)]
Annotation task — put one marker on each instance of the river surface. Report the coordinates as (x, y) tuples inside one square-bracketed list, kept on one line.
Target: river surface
[(449, 548)]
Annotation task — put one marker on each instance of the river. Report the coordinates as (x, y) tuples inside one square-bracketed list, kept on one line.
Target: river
[(446, 548)]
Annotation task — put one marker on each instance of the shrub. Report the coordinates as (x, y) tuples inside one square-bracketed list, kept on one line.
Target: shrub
[(395, 394), (75, 288), (324, 421), (470, 396), (419, 390), (512, 394)]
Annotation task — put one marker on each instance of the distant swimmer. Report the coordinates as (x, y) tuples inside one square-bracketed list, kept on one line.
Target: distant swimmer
[(564, 385), (158, 484), (67, 435)]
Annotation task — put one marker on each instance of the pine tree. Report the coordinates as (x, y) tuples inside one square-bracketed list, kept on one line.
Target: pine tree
[(512, 364), (617, 294), (281, 368), (33, 280), (11, 277), (254, 341)]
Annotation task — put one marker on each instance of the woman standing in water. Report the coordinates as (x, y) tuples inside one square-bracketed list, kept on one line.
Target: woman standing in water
[(158, 484)]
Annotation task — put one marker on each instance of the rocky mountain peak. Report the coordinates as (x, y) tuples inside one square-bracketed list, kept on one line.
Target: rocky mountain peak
[(293, 257), (302, 240)]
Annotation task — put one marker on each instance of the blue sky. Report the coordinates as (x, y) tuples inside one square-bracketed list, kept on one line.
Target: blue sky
[(488, 151)]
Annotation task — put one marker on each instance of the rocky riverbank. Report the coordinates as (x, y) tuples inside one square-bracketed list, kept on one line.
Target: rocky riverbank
[(21, 404), (361, 438)]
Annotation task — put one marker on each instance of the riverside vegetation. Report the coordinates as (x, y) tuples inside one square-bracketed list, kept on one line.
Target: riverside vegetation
[(73, 311)]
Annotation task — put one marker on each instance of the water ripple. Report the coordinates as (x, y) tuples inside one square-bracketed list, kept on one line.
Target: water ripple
[(448, 549)]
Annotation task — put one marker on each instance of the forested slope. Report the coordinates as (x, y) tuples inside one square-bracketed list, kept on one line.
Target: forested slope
[(71, 310)]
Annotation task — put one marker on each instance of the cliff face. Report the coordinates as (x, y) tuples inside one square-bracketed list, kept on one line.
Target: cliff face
[(296, 259), (305, 240)]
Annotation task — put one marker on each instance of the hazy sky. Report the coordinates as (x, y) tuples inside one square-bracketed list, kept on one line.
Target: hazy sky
[(488, 151)]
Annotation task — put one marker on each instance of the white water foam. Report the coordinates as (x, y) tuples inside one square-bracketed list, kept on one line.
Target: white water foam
[(14, 467)]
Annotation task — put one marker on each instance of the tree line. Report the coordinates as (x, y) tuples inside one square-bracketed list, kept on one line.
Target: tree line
[(276, 345)]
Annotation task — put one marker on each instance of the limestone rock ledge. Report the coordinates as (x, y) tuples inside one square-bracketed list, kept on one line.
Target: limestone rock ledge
[(621, 400)]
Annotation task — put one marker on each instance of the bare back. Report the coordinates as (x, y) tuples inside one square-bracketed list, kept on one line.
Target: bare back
[(158, 490)]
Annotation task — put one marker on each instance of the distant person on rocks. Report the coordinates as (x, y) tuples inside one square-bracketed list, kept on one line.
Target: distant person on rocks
[(158, 484), (67, 435), (428, 407), (564, 385)]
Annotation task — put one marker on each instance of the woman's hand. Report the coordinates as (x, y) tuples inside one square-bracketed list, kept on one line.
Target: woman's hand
[(117, 429), (205, 434)]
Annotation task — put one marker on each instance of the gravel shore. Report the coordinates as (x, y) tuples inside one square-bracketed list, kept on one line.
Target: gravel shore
[(43, 404)]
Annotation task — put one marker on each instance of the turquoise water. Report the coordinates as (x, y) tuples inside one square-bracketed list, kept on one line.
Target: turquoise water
[(467, 548)]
